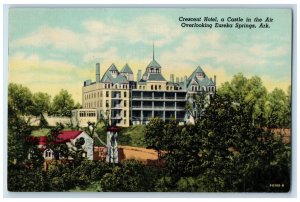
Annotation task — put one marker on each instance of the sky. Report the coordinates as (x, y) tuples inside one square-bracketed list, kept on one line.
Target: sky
[(57, 48)]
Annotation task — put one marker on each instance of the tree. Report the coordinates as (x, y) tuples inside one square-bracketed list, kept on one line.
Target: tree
[(131, 176), (196, 105), (153, 135), (41, 102), (248, 92), (277, 109), (19, 100), (63, 104), (234, 150)]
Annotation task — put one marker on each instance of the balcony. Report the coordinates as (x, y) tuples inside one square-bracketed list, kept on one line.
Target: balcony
[(118, 106), (169, 98), (118, 96), (117, 116)]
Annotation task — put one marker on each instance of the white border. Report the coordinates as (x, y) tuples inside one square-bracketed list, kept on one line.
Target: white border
[(3, 116)]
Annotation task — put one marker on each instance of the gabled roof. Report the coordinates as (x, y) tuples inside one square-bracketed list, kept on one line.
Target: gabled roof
[(126, 69), (66, 136), (211, 83), (108, 78), (199, 69), (63, 137), (153, 63), (156, 77), (203, 82), (112, 67), (120, 79)]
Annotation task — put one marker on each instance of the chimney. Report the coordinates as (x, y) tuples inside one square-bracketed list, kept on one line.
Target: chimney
[(215, 80), (177, 79), (172, 78), (139, 75), (97, 72)]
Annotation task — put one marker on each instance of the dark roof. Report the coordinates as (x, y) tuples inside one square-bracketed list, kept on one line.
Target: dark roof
[(153, 63), (120, 79), (202, 82), (156, 77), (112, 67), (108, 78), (126, 69)]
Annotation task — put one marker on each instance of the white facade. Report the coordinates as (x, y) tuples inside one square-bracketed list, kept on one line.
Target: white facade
[(80, 117)]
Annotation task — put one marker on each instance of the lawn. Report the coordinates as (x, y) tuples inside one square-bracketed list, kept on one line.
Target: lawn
[(40, 132), (131, 136)]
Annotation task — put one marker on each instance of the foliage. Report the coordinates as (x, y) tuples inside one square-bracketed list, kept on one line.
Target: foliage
[(131, 176), (153, 137), (196, 105), (277, 109), (19, 100), (63, 104), (41, 102), (248, 92)]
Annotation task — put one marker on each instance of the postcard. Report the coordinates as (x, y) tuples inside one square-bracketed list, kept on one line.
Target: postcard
[(149, 99)]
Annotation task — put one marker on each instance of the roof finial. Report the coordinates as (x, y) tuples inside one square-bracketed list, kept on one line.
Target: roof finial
[(153, 50)]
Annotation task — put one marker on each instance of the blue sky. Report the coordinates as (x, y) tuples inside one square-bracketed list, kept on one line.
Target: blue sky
[(50, 48)]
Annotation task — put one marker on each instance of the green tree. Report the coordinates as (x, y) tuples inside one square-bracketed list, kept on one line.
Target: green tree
[(41, 103), (196, 105), (236, 155), (247, 92), (130, 176), (19, 100), (277, 109), (153, 135), (63, 104)]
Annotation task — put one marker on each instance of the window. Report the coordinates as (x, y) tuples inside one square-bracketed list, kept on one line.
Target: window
[(159, 87), (151, 87), (155, 87), (107, 93), (140, 87), (124, 121), (125, 94), (125, 113), (125, 103), (48, 153), (167, 87), (107, 103), (144, 87)]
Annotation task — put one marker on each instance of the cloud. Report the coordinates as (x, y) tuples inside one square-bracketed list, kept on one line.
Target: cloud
[(47, 75)]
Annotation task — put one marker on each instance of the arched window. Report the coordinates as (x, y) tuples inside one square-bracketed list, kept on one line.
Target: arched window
[(167, 87), (159, 87), (155, 87), (151, 87)]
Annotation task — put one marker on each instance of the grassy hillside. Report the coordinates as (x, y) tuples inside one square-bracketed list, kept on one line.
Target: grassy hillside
[(131, 136)]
